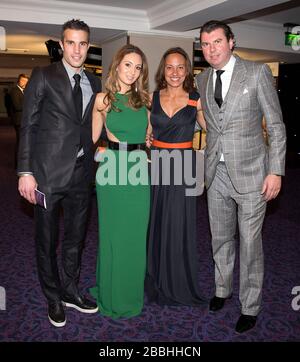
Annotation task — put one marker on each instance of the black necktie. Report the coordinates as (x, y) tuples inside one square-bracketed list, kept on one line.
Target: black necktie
[(77, 94), (218, 88)]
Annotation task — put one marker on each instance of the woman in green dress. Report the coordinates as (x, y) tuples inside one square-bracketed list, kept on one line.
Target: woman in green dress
[(122, 185)]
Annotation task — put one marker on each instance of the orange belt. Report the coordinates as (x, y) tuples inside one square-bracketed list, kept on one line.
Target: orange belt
[(160, 144)]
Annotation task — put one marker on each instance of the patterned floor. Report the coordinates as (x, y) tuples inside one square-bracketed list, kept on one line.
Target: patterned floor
[(25, 315)]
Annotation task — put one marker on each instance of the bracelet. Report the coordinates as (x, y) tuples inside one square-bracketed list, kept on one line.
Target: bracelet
[(25, 174)]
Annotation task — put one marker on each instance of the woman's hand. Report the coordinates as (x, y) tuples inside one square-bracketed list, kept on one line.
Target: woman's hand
[(149, 139)]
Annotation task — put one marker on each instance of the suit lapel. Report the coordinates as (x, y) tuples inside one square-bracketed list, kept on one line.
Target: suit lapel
[(95, 90), (91, 79), (65, 81), (235, 90), (210, 100)]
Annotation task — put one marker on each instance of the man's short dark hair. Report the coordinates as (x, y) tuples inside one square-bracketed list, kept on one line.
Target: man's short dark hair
[(22, 75), (212, 25), (75, 24)]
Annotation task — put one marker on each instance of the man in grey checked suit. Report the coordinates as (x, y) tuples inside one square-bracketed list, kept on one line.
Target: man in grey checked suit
[(242, 173)]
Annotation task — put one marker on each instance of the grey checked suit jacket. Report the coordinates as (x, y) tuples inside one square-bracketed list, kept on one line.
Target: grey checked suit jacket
[(236, 128)]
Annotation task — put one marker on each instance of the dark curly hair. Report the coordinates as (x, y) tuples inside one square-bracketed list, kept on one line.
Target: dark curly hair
[(188, 84)]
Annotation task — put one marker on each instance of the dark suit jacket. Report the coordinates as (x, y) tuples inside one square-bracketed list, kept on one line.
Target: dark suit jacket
[(17, 97), (51, 131)]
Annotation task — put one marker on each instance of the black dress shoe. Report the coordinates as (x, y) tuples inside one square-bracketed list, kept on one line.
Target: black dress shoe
[(216, 303), (80, 303), (245, 323), (56, 314)]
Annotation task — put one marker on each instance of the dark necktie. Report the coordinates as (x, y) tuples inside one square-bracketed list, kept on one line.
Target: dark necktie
[(77, 94), (218, 88)]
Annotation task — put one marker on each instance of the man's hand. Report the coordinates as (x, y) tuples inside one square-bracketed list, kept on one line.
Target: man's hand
[(271, 187), (27, 185)]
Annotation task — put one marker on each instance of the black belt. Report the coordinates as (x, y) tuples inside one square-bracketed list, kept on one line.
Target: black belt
[(122, 146)]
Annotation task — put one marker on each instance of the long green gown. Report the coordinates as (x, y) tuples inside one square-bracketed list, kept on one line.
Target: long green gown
[(123, 210)]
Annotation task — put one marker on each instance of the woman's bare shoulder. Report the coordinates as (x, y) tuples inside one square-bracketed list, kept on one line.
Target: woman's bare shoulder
[(101, 102), (100, 96)]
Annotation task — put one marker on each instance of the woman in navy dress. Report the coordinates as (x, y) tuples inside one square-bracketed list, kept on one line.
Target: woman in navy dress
[(172, 265)]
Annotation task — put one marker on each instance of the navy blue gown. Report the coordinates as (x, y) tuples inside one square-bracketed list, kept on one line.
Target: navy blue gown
[(172, 265)]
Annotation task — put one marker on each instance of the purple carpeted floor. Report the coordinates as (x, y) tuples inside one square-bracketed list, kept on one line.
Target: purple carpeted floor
[(25, 316)]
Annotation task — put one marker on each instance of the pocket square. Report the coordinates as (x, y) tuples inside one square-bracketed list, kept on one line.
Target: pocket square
[(245, 91)]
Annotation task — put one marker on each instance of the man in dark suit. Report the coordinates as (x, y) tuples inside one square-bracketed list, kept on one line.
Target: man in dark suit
[(16, 107), (56, 156), (242, 173), (7, 102)]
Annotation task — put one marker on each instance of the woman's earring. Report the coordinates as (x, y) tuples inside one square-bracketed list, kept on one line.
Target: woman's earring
[(136, 88)]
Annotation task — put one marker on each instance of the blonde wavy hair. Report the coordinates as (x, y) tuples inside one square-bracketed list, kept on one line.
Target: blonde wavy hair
[(138, 94)]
